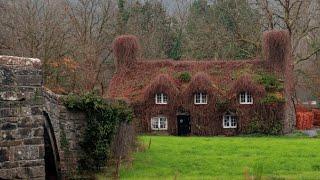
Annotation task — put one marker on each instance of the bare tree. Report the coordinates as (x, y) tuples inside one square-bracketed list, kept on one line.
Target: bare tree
[(181, 12), (56, 30), (92, 32), (32, 28), (296, 16)]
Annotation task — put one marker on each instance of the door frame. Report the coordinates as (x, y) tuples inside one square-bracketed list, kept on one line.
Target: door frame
[(185, 117)]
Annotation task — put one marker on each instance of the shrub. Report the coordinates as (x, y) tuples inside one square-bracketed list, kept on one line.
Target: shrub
[(272, 98), (262, 127), (103, 120), (270, 82), (184, 76), (266, 121)]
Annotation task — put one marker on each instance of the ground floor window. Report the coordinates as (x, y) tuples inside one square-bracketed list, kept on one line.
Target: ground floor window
[(159, 123), (229, 121)]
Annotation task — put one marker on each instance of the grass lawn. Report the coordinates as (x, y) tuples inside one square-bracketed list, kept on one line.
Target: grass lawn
[(172, 157)]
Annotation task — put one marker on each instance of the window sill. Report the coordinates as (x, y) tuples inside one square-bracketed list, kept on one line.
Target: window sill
[(200, 103), (230, 127)]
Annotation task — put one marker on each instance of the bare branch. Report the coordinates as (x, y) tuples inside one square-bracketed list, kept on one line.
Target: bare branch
[(309, 56)]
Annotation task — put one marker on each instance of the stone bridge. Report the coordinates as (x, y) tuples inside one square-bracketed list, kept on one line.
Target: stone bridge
[(39, 137)]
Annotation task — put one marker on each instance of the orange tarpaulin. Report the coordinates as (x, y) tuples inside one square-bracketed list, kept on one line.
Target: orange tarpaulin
[(316, 119), (300, 108), (304, 120)]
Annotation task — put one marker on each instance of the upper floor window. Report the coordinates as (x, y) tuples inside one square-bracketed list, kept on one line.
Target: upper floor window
[(200, 98), (161, 98), (159, 123), (229, 121), (246, 98)]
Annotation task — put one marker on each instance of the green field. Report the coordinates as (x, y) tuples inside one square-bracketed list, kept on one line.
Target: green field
[(226, 158)]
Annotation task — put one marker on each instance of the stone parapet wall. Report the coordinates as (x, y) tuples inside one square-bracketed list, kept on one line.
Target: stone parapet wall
[(21, 119), (27, 111), (68, 129)]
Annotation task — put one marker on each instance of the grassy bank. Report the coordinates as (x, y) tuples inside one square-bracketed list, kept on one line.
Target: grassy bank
[(226, 158)]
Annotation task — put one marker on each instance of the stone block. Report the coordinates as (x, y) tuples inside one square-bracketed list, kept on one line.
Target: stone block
[(33, 141), (41, 151), (20, 99), (4, 155), (28, 80), (26, 153), (8, 164), (25, 122), (8, 135), (34, 172), (25, 111), (21, 173), (31, 163), (26, 71), (12, 96), (9, 126), (36, 111), (19, 89), (25, 132), (38, 132), (7, 173), (10, 143), (14, 61), (9, 120), (9, 112), (31, 122), (11, 104), (7, 77)]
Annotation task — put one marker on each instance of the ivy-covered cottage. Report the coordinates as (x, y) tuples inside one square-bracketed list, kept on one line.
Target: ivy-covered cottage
[(208, 97)]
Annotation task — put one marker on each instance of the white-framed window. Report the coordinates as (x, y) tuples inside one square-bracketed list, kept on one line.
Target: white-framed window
[(245, 98), (200, 98), (229, 121), (159, 123), (161, 98)]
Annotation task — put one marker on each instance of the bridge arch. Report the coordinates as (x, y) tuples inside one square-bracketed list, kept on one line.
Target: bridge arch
[(51, 157)]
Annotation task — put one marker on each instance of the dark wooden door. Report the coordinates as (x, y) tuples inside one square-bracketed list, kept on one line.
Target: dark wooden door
[(184, 127)]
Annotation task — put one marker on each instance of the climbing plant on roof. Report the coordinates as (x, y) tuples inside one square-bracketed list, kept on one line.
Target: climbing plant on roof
[(270, 82), (184, 76)]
